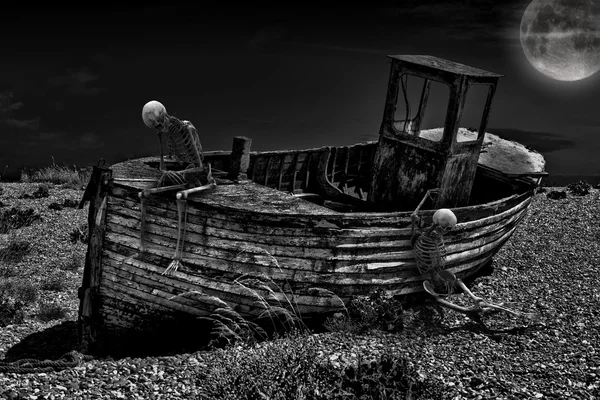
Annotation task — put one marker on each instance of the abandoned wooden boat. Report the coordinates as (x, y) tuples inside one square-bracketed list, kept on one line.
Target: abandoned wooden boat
[(303, 228)]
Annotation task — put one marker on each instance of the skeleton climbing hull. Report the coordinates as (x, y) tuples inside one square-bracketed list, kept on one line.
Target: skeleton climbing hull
[(313, 249)]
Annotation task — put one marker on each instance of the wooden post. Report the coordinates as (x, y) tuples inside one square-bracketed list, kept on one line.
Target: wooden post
[(240, 158), (89, 321)]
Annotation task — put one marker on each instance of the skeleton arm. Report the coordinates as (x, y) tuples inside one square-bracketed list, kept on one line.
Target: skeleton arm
[(160, 146)]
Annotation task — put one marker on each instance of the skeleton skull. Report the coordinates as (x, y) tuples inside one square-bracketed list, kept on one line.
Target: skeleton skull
[(444, 218), (154, 115)]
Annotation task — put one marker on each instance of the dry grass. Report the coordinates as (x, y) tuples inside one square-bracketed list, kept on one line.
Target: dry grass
[(73, 178)]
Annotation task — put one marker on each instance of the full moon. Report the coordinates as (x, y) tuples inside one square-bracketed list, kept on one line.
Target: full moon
[(561, 38)]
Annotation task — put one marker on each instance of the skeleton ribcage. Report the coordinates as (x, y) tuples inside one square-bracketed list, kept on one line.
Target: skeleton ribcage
[(181, 144), (430, 253)]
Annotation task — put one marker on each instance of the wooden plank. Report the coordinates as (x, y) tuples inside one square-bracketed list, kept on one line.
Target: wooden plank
[(296, 166), (228, 291), (303, 234), (298, 257), (195, 236), (89, 320), (271, 206), (279, 269)]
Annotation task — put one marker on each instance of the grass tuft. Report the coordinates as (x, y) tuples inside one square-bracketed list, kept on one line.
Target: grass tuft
[(42, 191), (73, 178), (14, 252), (580, 188), (50, 311), (556, 195), (15, 295), (290, 369), (74, 263), (377, 310), (56, 283), (16, 218), (80, 234)]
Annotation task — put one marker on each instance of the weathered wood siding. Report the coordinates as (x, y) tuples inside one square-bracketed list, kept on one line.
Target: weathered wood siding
[(90, 321), (294, 170), (245, 230)]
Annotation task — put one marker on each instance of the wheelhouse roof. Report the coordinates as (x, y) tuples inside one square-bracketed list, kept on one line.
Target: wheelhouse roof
[(432, 64)]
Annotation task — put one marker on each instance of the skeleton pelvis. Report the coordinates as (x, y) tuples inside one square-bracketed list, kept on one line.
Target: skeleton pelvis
[(192, 177)]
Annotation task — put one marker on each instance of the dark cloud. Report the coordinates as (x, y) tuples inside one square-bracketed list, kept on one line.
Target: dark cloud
[(27, 124), (8, 106), (78, 82), (7, 102), (484, 20)]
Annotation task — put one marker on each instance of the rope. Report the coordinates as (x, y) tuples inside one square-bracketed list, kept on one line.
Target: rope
[(33, 366)]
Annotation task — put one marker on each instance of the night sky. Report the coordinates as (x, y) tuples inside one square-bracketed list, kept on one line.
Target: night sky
[(73, 81)]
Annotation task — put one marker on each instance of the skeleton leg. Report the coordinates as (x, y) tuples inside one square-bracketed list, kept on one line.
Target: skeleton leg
[(143, 221), (181, 207), (143, 195), (429, 289), (480, 304)]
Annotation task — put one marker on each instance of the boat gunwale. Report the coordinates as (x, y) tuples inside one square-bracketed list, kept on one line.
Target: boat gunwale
[(527, 193)]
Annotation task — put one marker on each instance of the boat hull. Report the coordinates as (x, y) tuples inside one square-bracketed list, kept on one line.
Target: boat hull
[(248, 247)]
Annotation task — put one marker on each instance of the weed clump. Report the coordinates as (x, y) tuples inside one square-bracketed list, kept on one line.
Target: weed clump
[(556, 195), (279, 314), (15, 218), (70, 203), (42, 191), (49, 311), (66, 203), (580, 188), (15, 295), (389, 376), (290, 369), (270, 372), (15, 251), (55, 206), (55, 283), (73, 264), (80, 234), (377, 310)]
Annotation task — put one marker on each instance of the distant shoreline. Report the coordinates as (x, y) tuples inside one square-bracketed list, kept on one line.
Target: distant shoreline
[(552, 180), (564, 180)]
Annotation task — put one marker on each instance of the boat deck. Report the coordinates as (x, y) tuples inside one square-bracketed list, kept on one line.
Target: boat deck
[(252, 197)]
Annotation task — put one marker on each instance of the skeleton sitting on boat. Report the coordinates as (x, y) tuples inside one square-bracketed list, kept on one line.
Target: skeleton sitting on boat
[(184, 145), (430, 253)]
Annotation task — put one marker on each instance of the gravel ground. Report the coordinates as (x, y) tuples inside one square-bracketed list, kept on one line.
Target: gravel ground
[(550, 266)]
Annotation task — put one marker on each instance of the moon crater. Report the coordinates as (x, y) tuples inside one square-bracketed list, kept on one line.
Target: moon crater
[(561, 38)]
